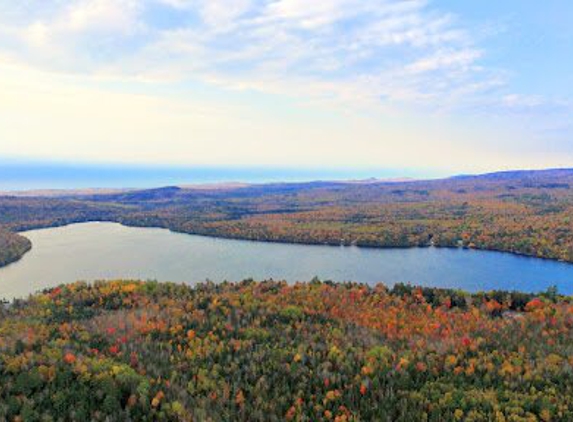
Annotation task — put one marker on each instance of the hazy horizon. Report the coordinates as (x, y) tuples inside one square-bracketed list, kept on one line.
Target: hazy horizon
[(37, 175), (53, 175)]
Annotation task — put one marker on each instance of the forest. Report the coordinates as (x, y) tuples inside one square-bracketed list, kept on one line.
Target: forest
[(523, 212), (12, 247), (270, 351)]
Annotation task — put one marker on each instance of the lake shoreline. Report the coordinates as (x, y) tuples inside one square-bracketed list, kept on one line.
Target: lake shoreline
[(111, 250), (285, 242)]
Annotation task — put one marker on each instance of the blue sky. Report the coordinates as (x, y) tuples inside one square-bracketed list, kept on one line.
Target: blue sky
[(443, 85)]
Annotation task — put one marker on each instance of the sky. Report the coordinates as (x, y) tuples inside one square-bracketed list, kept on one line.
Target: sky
[(417, 86)]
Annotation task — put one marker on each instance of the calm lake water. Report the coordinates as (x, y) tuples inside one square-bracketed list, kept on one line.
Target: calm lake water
[(93, 251)]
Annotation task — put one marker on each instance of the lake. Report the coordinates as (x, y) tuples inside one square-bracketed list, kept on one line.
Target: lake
[(91, 251)]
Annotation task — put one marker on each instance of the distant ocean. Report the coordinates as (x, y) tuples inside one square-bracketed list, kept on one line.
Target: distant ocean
[(16, 176)]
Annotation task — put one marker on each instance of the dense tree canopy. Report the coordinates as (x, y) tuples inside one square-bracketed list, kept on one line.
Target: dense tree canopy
[(128, 350), (12, 247), (528, 213)]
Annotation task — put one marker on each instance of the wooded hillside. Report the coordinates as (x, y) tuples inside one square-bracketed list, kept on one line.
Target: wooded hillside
[(268, 351), (529, 212)]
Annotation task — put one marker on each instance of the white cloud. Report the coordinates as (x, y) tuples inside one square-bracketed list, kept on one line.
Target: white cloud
[(313, 14), (518, 101), (458, 60), (178, 4), (377, 49), (72, 37), (73, 118), (213, 12), (84, 17), (37, 34), (116, 16), (222, 12), (380, 57)]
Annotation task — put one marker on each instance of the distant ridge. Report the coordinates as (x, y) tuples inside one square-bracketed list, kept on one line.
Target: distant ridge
[(150, 194), (215, 185), (374, 180), (515, 174), (167, 192)]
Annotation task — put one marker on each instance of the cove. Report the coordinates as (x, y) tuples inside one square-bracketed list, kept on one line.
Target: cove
[(96, 251)]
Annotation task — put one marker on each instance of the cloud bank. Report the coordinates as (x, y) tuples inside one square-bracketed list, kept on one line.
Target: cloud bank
[(389, 65)]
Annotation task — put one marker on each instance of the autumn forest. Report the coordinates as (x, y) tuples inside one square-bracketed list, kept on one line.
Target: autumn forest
[(524, 212), (309, 351), (268, 351)]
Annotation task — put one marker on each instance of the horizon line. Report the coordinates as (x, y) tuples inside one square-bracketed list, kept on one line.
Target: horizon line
[(236, 183)]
